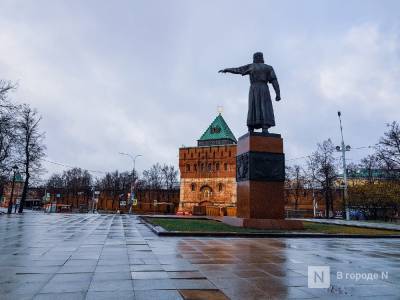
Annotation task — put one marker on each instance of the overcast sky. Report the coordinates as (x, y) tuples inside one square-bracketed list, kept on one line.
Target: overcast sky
[(141, 76)]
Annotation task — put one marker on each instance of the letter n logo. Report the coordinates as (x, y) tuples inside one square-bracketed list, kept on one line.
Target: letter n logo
[(319, 277)]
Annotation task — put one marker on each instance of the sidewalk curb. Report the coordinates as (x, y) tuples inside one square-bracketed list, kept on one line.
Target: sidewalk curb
[(164, 233), (367, 225)]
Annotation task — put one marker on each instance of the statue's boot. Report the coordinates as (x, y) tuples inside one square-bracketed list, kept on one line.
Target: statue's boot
[(265, 129)]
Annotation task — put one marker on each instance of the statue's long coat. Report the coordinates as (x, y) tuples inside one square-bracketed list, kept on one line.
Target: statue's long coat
[(261, 113)]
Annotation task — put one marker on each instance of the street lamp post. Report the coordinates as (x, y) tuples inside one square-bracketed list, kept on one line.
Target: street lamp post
[(133, 174), (10, 203), (343, 148)]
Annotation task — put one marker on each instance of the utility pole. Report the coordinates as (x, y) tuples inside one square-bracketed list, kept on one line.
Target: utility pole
[(343, 148), (133, 174)]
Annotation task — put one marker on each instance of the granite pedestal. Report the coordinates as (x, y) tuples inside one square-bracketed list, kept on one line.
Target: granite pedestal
[(260, 176)]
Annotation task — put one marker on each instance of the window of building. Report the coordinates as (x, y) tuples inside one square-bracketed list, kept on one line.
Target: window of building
[(230, 153), (195, 167), (225, 166), (217, 166), (187, 168), (220, 187), (193, 187), (202, 167), (209, 167)]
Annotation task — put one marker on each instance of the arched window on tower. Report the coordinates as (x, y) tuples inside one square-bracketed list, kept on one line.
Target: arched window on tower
[(193, 187), (217, 166), (220, 187)]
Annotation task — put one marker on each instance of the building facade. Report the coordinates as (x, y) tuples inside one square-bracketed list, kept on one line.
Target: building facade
[(208, 171), (17, 193)]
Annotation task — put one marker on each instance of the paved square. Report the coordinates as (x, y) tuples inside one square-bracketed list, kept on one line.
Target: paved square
[(84, 256)]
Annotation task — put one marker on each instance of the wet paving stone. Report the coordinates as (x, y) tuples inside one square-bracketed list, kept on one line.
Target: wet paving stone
[(111, 285), (61, 296), (158, 294), (117, 295), (149, 275), (154, 284), (203, 295), (84, 256)]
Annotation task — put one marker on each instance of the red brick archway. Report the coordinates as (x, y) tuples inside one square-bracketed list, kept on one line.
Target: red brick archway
[(205, 193)]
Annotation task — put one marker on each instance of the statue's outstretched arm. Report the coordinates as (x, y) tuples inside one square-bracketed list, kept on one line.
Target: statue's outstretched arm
[(240, 70)]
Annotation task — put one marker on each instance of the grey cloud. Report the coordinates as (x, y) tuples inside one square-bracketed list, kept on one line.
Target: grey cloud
[(141, 76)]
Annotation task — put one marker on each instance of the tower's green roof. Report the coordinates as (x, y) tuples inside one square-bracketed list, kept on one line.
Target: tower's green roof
[(218, 130)]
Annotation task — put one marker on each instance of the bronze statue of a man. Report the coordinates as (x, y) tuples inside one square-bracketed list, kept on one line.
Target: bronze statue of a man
[(261, 113)]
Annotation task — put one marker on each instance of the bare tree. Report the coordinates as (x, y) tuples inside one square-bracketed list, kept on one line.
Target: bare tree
[(296, 180), (30, 147), (369, 165), (388, 148), (7, 137), (116, 183), (311, 180), (169, 176), (325, 171), (5, 88), (8, 112), (77, 181), (153, 177), (55, 181)]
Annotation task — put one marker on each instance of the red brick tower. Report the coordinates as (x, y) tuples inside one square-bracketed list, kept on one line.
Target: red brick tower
[(208, 171)]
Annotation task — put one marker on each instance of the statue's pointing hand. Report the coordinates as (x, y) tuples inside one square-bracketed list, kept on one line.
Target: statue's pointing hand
[(222, 71), (278, 98)]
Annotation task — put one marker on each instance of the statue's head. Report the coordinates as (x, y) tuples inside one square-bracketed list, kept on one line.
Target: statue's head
[(258, 57)]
